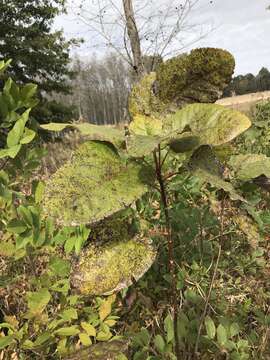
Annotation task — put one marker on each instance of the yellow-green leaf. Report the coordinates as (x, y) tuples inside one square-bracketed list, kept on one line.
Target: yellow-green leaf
[(28, 136), (11, 152), (27, 344), (67, 331), (4, 65), (61, 347), (41, 339), (90, 330), (168, 325), (213, 124), (210, 327), (37, 301), (97, 183), (93, 132), (104, 336), (5, 341), (69, 314), (159, 343), (222, 336), (250, 166), (106, 307), (85, 339), (39, 191), (110, 322), (145, 125)]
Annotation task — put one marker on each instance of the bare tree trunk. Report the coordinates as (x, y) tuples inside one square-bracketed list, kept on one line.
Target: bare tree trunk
[(134, 38)]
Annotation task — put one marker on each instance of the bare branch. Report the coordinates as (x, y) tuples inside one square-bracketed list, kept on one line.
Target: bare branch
[(133, 37), (134, 28)]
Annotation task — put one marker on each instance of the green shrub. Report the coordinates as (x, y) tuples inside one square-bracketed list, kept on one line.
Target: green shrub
[(156, 186), (257, 138)]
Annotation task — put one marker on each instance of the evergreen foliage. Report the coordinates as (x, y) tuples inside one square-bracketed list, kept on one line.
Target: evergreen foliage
[(40, 54)]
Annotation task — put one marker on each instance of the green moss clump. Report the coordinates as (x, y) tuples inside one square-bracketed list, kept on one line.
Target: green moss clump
[(200, 76), (214, 65), (112, 259), (172, 77)]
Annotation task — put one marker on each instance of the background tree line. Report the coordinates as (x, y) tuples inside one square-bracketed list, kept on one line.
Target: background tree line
[(249, 83), (100, 89)]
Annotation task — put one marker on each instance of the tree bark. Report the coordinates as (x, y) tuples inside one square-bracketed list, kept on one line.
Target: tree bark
[(134, 38)]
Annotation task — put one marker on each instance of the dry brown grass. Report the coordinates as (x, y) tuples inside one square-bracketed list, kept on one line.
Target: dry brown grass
[(59, 152), (244, 102)]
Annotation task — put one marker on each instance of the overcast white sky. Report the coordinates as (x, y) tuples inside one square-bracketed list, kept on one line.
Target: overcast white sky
[(240, 26)]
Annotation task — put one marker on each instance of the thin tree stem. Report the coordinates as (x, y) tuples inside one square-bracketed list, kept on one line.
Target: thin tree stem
[(171, 264), (196, 353)]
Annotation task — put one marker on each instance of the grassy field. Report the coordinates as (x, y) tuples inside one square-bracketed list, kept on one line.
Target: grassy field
[(244, 102)]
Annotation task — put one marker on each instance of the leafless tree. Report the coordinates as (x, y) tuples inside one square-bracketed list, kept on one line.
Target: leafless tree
[(135, 28), (100, 89)]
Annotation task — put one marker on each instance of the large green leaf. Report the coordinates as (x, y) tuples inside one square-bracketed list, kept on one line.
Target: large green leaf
[(250, 166), (146, 125), (95, 184), (110, 264), (93, 132), (207, 166), (28, 91), (186, 130), (213, 124), (146, 133), (141, 145), (16, 226), (111, 267)]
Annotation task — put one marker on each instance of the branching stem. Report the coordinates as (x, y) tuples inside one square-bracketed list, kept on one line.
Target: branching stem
[(172, 270)]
